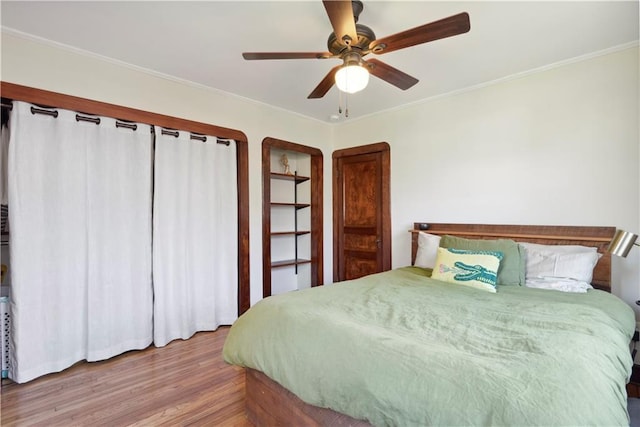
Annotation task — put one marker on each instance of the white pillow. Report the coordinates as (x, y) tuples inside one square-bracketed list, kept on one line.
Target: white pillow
[(427, 250), (558, 284), (570, 261), (558, 248)]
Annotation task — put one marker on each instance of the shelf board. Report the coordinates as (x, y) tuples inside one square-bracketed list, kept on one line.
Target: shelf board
[(297, 178), (288, 262), (290, 233), (295, 205)]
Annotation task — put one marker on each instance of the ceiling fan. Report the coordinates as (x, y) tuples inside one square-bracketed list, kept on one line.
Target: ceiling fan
[(351, 42)]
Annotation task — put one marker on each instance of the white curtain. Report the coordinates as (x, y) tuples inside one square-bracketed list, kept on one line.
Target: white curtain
[(80, 209), (195, 236)]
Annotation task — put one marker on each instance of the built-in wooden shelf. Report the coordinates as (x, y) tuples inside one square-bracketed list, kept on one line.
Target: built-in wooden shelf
[(290, 233), (286, 177), (288, 262), (289, 208), (293, 205)]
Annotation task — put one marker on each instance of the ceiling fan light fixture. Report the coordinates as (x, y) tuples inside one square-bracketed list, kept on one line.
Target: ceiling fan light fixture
[(352, 78)]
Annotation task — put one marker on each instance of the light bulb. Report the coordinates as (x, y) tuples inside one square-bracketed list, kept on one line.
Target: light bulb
[(352, 78)]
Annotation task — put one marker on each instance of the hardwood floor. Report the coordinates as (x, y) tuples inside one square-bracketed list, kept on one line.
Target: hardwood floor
[(184, 383)]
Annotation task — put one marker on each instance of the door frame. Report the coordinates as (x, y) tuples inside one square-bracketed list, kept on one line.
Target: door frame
[(338, 208)]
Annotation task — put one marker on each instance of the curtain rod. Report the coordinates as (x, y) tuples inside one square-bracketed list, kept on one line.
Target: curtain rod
[(35, 110), (132, 126), (194, 136), (80, 118)]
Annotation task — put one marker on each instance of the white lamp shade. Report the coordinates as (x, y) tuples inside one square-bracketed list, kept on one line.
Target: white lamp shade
[(622, 243), (352, 78)]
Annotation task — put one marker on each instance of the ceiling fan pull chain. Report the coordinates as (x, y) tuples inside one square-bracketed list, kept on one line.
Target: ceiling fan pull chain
[(346, 105)]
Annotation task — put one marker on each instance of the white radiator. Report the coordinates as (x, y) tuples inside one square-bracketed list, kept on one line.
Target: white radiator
[(5, 318)]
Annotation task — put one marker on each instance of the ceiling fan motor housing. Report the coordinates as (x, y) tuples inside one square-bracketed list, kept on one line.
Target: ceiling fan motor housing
[(365, 37)]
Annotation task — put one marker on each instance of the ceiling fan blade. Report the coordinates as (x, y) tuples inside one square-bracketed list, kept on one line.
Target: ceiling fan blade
[(325, 84), (391, 75), (341, 16), (286, 55), (447, 27)]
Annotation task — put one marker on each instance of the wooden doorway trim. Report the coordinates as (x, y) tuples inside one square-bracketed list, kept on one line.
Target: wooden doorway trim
[(385, 151), (37, 96), (317, 229)]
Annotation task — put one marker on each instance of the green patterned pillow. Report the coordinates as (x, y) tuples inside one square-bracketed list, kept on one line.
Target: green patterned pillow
[(512, 265), (478, 269)]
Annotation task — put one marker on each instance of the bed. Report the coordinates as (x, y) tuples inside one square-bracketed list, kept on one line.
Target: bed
[(402, 348)]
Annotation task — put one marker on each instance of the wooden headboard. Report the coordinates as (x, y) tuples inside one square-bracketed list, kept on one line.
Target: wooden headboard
[(598, 237)]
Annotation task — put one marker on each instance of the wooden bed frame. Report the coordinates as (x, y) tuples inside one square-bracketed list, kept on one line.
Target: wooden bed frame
[(267, 403)]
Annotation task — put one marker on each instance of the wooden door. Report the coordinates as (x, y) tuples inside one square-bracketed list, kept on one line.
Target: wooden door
[(362, 213)]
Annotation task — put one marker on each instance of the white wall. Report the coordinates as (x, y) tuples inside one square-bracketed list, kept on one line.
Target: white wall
[(557, 147), (554, 147), (44, 66)]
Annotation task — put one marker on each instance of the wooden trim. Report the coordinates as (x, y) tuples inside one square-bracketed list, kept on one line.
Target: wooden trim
[(338, 241), (266, 219), (244, 283), (292, 146), (317, 218), (267, 403), (317, 230), (598, 237), (88, 106), (362, 149)]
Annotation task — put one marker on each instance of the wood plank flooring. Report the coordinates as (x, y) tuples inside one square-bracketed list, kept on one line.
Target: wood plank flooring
[(185, 383)]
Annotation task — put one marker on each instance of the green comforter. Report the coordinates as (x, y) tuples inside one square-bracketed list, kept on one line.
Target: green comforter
[(399, 348)]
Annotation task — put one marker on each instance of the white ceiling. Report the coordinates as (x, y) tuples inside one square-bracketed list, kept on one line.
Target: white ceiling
[(202, 42)]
